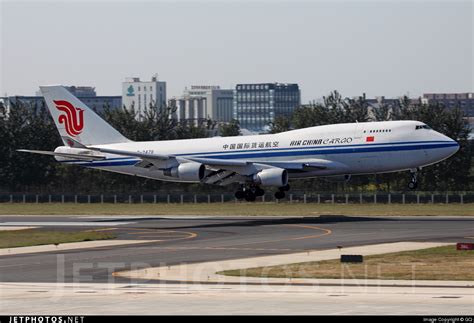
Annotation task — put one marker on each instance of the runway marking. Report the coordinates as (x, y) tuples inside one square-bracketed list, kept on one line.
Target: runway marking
[(155, 233), (162, 237), (228, 248), (326, 232), (63, 223)]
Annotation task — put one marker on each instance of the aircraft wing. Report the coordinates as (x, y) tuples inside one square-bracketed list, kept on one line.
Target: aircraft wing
[(132, 153), (225, 171), (306, 164)]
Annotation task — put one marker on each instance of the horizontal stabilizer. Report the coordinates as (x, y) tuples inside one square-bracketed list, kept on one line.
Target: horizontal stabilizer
[(65, 155)]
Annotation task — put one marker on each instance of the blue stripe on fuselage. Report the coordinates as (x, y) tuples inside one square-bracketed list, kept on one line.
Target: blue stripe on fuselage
[(297, 151)]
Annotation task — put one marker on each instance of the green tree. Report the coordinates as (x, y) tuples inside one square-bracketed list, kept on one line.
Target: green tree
[(230, 129), (280, 124), (27, 127)]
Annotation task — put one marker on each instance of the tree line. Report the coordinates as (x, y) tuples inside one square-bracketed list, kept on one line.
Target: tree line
[(31, 127)]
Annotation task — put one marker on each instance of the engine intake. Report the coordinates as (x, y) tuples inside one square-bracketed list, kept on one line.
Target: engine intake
[(189, 172), (272, 177)]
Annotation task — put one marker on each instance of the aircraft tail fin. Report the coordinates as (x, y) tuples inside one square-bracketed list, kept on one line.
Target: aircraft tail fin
[(75, 121)]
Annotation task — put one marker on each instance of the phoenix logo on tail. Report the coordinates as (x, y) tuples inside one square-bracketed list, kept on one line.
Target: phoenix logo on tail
[(73, 118)]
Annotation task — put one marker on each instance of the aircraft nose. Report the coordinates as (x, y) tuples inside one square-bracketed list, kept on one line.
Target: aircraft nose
[(455, 146), (452, 148)]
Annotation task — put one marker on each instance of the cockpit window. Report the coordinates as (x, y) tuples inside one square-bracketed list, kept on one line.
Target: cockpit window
[(422, 127)]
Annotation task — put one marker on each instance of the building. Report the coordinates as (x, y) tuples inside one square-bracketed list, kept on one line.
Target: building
[(465, 101), (141, 95), (86, 94), (82, 91), (100, 103), (219, 102), (380, 100), (202, 102), (257, 105), (78, 91), (189, 109)]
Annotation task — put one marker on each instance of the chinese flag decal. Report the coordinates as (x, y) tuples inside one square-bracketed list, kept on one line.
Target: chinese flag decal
[(370, 139)]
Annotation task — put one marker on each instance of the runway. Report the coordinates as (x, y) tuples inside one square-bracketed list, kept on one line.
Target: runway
[(181, 239)]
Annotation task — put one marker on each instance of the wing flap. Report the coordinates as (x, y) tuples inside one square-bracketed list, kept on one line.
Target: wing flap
[(132, 153)]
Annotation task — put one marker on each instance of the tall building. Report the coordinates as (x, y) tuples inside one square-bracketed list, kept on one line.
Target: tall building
[(257, 105), (202, 102), (189, 109), (142, 94), (219, 102)]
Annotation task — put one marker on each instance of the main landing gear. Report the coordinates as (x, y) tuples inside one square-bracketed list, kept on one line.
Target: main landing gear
[(251, 192), (281, 192), (413, 184)]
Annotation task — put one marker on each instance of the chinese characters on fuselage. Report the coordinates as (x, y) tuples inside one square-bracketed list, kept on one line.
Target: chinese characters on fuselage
[(251, 145), (293, 143)]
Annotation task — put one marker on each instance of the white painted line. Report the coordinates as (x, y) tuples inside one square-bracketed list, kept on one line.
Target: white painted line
[(70, 246), (68, 224), (13, 228)]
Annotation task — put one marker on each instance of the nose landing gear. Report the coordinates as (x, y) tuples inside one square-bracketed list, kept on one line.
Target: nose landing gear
[(413, 184)]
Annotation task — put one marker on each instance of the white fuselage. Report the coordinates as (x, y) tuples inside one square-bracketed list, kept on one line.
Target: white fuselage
[(362, 148)]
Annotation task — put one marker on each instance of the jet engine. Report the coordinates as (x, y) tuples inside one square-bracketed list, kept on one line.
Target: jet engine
[(272, 177), (189, 172)]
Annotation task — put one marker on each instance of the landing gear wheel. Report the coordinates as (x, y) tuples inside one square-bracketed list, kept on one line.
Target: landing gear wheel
[(285, 188), (259, 192), (412, 185), (279, 195), (239, 195), (250, 197)]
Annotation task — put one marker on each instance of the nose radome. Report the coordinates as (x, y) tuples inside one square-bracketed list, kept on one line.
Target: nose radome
[(455, 147)]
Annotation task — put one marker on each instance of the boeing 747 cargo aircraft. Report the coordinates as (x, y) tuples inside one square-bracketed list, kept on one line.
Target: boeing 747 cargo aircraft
[(270, 160)]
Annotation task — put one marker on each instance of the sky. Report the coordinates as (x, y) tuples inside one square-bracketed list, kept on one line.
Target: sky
[(385, 47)]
